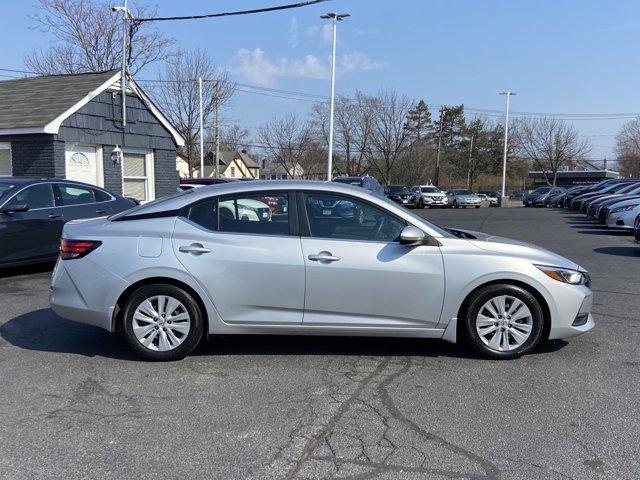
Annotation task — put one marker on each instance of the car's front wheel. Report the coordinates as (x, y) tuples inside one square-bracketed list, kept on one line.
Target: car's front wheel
[(502, 321), (162, 322)]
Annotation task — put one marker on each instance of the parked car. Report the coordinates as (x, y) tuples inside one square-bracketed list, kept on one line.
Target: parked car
[(195, 272), (33, 211), (367, 182), (463, 198), (560, 200), (399, 194), (622, 215), (428, 196), (490, 196), (586, 189), (529, 198), (610, 187), (540, 200), (517, 196), (593, 206), (636, 229)]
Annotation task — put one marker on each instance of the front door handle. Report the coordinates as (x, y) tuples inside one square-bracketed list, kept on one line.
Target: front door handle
[(194, 249), (323, 257), (54, 215)]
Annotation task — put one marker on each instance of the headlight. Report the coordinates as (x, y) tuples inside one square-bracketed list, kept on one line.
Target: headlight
[(566, 275), (623, 209)]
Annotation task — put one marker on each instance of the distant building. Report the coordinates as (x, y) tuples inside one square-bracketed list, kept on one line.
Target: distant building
[(276, 171), (231, 165), (67, 126), (568, 178)]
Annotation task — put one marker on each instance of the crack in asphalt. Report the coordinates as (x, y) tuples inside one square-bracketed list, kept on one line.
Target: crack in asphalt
[(384, 414)]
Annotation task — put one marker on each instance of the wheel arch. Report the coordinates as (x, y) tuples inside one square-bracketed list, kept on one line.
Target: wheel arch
[(518, 283), (124, 296)]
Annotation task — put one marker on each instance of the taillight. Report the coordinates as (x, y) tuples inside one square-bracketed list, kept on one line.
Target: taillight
[(70, 249)]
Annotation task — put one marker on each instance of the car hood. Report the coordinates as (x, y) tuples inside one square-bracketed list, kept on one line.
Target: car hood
[(467, 197), (516, 248)]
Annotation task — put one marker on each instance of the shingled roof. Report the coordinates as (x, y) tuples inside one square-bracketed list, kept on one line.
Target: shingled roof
[(34, 102), (41, 104)]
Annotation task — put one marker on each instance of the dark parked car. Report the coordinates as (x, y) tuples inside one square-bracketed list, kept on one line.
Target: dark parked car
[(33, 211), (530, 198), (400, 194), (366, 181), (636, 229)]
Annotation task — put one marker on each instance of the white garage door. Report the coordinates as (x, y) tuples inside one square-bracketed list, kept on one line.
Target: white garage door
[(82, 164)]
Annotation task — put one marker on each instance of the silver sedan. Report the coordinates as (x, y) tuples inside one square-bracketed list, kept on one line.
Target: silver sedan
[(309, 258)]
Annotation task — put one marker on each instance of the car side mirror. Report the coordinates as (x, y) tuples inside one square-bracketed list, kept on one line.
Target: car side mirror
[(412, 236), (15, 207)]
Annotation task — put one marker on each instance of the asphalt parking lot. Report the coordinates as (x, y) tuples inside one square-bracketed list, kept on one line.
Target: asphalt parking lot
[(74, 403)]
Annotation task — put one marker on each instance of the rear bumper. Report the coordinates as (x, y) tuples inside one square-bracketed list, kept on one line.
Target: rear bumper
[(90, 303)]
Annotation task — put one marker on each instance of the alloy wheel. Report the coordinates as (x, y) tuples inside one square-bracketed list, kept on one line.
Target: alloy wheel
[(161, 323), (504, 323)]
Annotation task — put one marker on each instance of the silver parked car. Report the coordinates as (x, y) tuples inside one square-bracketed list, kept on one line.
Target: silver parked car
[(326, 259), (428, 196), (463, 198)]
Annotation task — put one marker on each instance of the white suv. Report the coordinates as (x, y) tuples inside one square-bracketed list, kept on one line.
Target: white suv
[(428, 196)]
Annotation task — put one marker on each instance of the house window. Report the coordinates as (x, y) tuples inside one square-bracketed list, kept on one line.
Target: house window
[(137, 176), (5, 159), (233, 171)]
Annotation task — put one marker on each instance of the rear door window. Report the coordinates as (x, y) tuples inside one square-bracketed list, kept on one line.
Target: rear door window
[(76, 194), (35, 196)]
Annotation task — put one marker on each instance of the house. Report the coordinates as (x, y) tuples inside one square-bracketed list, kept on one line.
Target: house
[(182, 165), (68, 126), (277, 171), (231, 165)]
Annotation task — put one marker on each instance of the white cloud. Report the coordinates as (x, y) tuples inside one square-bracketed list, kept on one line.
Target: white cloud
[(293, 32), (312, 30), (256, 68)]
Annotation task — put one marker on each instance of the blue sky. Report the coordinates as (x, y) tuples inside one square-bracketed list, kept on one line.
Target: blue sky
[(564, 56)]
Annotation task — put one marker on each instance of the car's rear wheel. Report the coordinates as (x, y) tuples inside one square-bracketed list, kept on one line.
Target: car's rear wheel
[(502, 321), (162, 322), (455, 204)]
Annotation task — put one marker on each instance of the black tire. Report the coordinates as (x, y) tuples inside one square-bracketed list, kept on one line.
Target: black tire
[(193, 309), (475, 302), (477, 206), (420, 203), (455, 204)]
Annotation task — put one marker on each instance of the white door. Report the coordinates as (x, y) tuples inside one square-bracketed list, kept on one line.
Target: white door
[(82, 164)]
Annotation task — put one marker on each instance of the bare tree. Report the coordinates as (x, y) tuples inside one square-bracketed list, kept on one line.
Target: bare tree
[(550, 144), (352, 132), (88, 38), (178, 94), (234, 138), (628, 148), (288, 142), (389, 138)]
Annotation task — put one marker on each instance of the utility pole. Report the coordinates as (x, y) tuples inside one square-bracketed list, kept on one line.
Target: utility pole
[(216, 99), (126, 14), (506, 137), (470, 160), (335, 18), (437, 175), (201, 128)]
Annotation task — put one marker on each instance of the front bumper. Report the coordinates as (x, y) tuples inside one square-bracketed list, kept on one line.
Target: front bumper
[(621, 220), (469, 203), (573, 305), (442, 201)]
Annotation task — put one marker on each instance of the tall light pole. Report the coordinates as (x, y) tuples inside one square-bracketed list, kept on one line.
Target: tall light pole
[(506, 136), (126, 15), (201, 128), (335, 18)]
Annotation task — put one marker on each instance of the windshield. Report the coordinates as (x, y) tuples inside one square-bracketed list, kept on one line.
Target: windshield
[(429, 190), (397, 189), (420, 219), (462, 192), (542, 190)]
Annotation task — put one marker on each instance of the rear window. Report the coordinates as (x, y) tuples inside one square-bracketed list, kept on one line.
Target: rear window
[(139, 210), (351, 181)]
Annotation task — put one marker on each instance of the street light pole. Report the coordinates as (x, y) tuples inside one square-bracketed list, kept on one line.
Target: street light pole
[(506, 136), (201, 128), (335, 18), (125, 36)]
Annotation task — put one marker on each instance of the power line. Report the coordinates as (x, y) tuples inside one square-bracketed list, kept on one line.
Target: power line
[(229, 14)]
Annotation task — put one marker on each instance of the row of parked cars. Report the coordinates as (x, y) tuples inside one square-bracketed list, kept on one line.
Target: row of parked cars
[(614, 203), (430, 196)]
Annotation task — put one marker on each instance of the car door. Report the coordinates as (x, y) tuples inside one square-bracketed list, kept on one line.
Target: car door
[(358, 274), (34, 234), (81, 201), (244, 249)]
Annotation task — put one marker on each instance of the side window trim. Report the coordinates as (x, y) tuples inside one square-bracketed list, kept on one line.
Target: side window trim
[(306, 226)]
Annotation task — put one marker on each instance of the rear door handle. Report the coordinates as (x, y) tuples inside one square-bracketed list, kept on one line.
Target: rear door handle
[(100, 212), (194, 249), (323, 257), (54, 215)]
